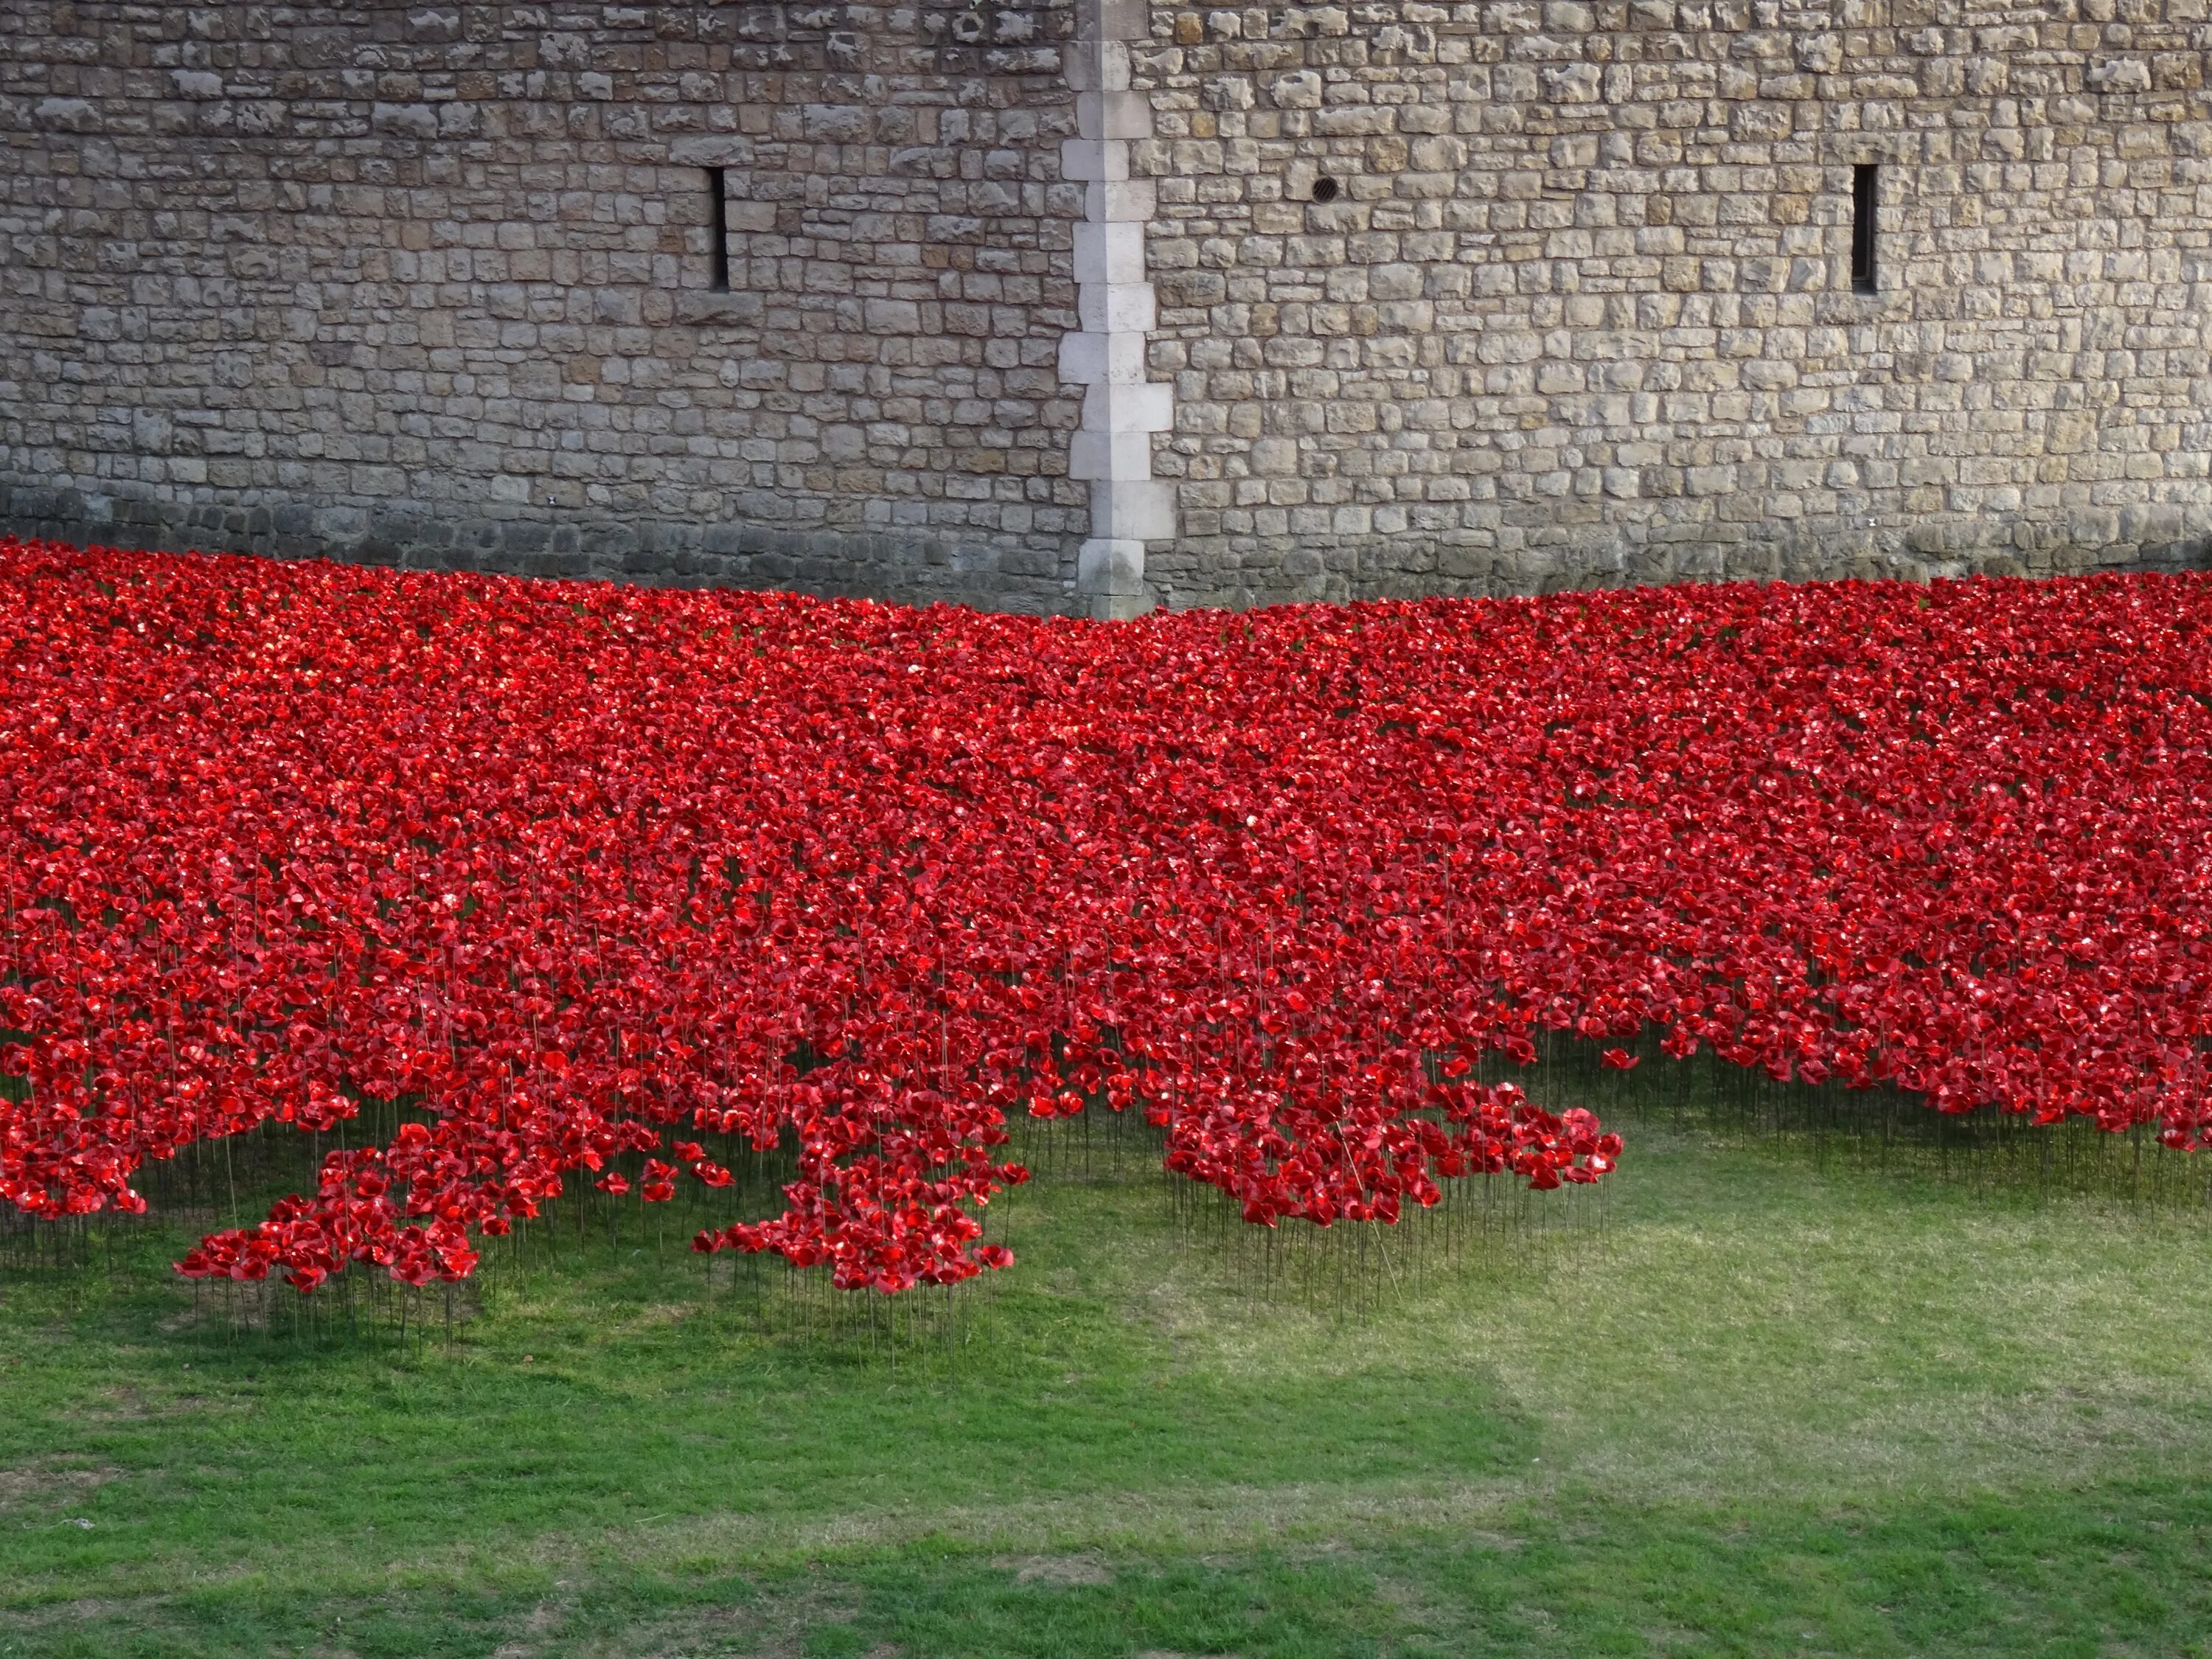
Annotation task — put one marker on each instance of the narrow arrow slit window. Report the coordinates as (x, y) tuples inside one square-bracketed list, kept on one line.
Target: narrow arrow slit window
[(718, 192), (1866, 194)]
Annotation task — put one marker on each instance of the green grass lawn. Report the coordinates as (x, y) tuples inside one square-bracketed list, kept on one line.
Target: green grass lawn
[(1756, 1402)]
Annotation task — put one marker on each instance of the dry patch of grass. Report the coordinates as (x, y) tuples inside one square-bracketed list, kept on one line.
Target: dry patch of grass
[(1061, 1572), (33, 1483)]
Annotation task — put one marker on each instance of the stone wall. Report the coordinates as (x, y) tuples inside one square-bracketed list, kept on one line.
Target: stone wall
[(435, 283), (1040, 304), (1581, 311)]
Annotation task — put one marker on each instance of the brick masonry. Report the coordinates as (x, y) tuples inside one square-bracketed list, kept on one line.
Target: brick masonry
[(1034, 305)]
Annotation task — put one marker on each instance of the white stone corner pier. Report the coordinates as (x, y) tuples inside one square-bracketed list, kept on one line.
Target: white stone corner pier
[(1121, 408)]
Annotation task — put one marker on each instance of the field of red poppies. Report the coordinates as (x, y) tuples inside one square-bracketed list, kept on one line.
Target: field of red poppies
[(597, 884)]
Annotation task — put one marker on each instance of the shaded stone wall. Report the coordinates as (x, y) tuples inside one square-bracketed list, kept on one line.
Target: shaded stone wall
[(435, 283), (1582, 311)]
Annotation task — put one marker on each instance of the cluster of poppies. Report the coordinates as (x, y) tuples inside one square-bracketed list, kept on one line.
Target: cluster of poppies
[(571, 871)]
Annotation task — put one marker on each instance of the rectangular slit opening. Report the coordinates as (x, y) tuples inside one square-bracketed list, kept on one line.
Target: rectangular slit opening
[(1866, 196), (717, 192)]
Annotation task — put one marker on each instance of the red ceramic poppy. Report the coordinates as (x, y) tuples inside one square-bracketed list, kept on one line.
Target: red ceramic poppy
[(574, 871)]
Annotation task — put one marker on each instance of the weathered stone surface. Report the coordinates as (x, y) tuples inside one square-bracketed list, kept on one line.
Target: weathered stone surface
[(433, 286), (1581, 311), (441, 276)]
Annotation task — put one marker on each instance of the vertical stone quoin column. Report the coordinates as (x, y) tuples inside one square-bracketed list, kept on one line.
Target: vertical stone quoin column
[(1115, 306)]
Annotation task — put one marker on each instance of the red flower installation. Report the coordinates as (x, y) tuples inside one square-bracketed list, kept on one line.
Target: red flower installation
[(579, 868)]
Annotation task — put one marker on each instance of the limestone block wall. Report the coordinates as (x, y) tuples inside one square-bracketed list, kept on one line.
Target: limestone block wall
[(1581, 309), (1092, 305), (436, 282)]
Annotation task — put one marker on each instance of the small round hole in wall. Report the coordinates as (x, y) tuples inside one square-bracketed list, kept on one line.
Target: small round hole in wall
[(1325, 189)]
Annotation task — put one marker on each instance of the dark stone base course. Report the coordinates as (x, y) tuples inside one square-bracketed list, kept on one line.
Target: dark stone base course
[(1222, 573), (1238, 576), (649, 554)]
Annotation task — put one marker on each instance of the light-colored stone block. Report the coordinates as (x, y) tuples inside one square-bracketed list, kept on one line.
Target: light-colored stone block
[(1086, 358), (1136, 199), (1113, 20), (1122, 115), (1110, 456), (1118, 307), (1110, 253), (1109, 566), (1148, 406), (1084, 160), (1098, 65), (1136, 511)]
